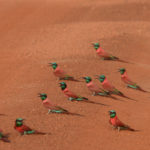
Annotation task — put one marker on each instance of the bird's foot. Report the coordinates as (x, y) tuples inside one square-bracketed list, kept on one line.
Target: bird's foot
[(119, 129)]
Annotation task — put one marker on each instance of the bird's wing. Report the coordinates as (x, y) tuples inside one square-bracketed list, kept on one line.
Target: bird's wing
[(60, 73), (94, 88), (120, 124), (26, 128), (108, 86), (128, 81), (71, 94)]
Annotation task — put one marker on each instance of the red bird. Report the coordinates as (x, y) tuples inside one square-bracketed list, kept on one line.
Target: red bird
[(60, 73), (52, 108), (107, 86), (70, 94), (104, 55), (23, 129), (126, 80), (116, 123)]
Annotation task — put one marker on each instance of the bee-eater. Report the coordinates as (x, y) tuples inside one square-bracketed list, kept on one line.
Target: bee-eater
[(23, 129), (109, 87), (52, 108), (116, 123), (61, 74), (126, 80), (104, 55), (71, 96), (4, 137)]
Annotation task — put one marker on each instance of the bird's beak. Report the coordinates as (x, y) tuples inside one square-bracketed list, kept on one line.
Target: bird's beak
[(83, 77)]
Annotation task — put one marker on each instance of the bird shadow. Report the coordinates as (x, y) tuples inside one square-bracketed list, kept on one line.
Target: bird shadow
[(127, 97), (69, 113), (91, 102), (3, 115)]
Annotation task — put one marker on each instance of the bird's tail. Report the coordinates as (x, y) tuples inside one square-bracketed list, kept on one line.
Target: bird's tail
[(117, 92), (131, 129), (136, 87), (4, 139)]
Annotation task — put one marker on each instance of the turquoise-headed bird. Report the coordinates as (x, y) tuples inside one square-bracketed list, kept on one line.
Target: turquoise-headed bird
[(52, 108), (24, 129), (116, 123), (61, 74), (71, 96), (126, 80), (104, 55), (109, 87)]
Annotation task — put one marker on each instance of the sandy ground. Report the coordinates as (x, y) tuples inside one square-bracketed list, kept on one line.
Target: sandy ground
[(36, 32)]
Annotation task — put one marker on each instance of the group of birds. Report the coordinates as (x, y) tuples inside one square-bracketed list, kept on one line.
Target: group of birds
[(107, 90)]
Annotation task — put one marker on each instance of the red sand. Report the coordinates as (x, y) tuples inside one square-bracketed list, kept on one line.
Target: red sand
[(36, 32)]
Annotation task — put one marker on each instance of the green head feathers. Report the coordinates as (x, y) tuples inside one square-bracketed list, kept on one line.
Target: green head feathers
[(122, 70), (96, 45), (19, 122), (112, 113), (43, 96), (87, 79), (54, 65), (63, 85), (102, 78)]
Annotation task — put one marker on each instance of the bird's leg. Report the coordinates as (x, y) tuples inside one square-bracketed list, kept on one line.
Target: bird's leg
[(94, 94), (118, 129), (49, 111)]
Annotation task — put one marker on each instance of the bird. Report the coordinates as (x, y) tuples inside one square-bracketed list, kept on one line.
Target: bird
[(126, 80), (109, 87), (104, 55), (95, 89), (52, 108), (4, 137), (61, 74), (71, 96), (116, 123), (23, 129)]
